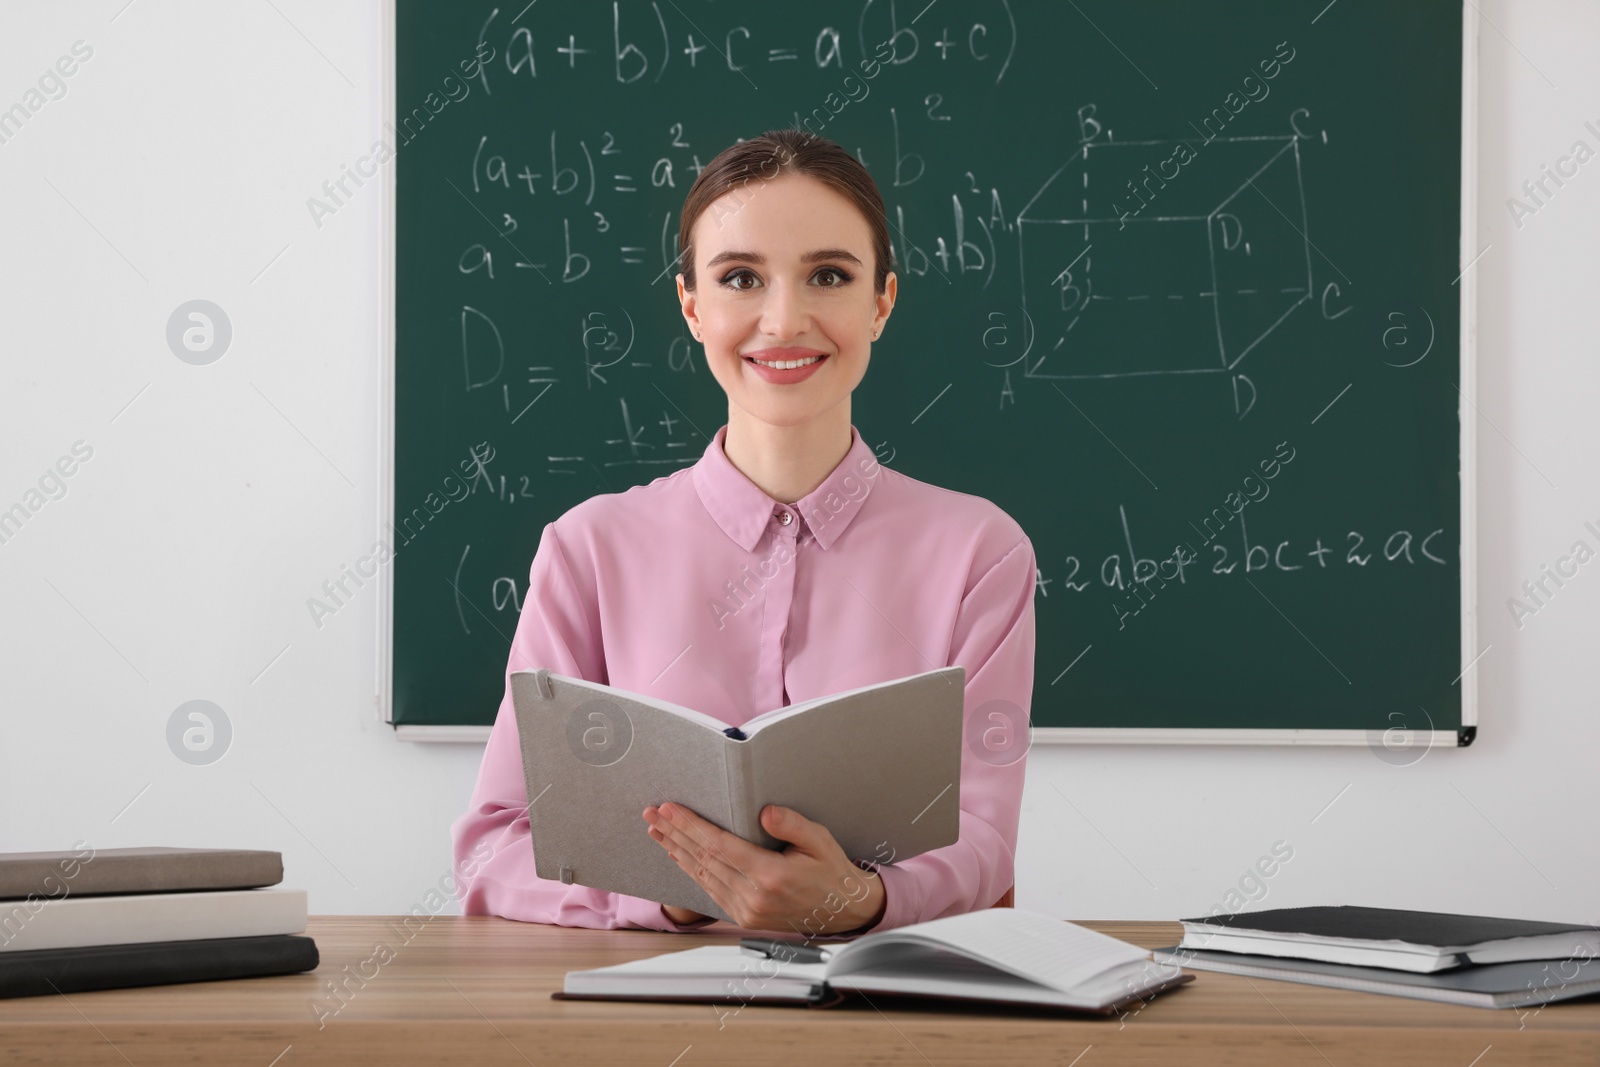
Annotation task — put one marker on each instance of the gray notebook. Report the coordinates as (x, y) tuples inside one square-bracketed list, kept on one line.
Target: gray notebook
[(879, 766), (1485, 985), (91, 872)]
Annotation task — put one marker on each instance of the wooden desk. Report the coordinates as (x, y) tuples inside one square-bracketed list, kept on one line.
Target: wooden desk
[(477, 991)]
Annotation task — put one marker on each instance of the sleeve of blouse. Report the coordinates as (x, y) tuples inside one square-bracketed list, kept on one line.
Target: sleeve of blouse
[(559, 628), (994, 641)]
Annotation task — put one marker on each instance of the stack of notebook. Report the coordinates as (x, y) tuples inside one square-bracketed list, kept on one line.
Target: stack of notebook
[(102, 919), (1459, 959)]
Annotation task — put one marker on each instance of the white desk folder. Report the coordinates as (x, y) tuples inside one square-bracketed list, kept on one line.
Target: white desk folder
[(880, 766)]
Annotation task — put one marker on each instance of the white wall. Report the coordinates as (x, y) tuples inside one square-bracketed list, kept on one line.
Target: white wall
[(178, 563)]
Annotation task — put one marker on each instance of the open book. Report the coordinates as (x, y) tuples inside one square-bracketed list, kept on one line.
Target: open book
[(999, 955), (879, 766)]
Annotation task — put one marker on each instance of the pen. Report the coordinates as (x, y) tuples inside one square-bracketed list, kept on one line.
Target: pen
[(783, 951)]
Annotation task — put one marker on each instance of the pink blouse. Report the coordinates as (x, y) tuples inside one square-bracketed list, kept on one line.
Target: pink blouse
[(700, 589)]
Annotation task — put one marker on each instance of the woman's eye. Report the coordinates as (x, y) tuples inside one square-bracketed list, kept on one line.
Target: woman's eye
[(827, 278)]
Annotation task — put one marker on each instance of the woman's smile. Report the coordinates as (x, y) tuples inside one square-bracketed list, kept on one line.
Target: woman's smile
[(785, 366), (785, 357)]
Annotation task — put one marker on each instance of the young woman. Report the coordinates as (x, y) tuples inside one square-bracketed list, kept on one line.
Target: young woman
[(784, 565)]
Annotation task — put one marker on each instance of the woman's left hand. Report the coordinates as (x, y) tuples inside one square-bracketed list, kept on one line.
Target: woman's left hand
[(811, 886)]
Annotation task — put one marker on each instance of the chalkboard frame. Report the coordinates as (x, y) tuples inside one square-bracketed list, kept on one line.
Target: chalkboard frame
[(1397, 738)]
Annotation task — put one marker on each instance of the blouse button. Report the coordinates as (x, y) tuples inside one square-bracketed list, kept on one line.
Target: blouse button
[(785, 517)]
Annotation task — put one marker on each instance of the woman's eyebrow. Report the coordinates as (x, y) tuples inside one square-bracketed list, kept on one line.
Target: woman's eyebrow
[(733, 255)]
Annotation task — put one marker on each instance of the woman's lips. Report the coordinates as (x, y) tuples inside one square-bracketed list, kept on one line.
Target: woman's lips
[(784, 355), (785, 377)]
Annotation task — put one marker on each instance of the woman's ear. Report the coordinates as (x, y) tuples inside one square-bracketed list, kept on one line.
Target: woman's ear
[(686, 301), (884, 303)]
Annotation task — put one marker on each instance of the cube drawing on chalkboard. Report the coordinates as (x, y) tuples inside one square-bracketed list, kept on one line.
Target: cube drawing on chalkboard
[(1142, 258)]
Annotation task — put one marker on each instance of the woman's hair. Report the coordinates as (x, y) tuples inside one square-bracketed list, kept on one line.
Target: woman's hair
[(771, 155)]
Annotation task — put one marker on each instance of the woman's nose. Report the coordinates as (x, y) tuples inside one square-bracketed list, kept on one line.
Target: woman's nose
[(784, 315)]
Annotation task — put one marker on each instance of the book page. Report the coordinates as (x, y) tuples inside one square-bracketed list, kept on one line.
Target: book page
[(1027, 944), (608, 692), (710, 972), (879, 767), (717, 961), (767, 718), (948, 974)]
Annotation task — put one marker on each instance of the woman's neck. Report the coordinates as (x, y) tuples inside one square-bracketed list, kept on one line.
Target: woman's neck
[(787, 462)]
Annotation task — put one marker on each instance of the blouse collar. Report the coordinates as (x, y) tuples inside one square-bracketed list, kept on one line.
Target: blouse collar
[(744, 510)]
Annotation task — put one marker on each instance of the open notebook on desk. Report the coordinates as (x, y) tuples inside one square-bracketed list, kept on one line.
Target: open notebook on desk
[(999, 955)]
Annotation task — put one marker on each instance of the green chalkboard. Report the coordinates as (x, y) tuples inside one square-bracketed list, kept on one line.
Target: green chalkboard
[(1180, 289)]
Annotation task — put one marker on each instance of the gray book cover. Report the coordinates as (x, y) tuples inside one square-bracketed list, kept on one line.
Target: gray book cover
[(879, 766), (97, 872), (1489, 985)]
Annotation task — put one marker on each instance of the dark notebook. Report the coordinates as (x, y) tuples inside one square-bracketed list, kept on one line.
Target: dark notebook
[(1489, 985), (1420, 941), (81, 970), (91, 872)]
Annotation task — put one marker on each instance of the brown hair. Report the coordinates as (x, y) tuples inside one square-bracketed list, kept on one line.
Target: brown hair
[(771, 155)]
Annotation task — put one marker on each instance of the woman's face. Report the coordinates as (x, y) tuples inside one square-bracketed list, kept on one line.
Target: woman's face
[(783, 272)]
